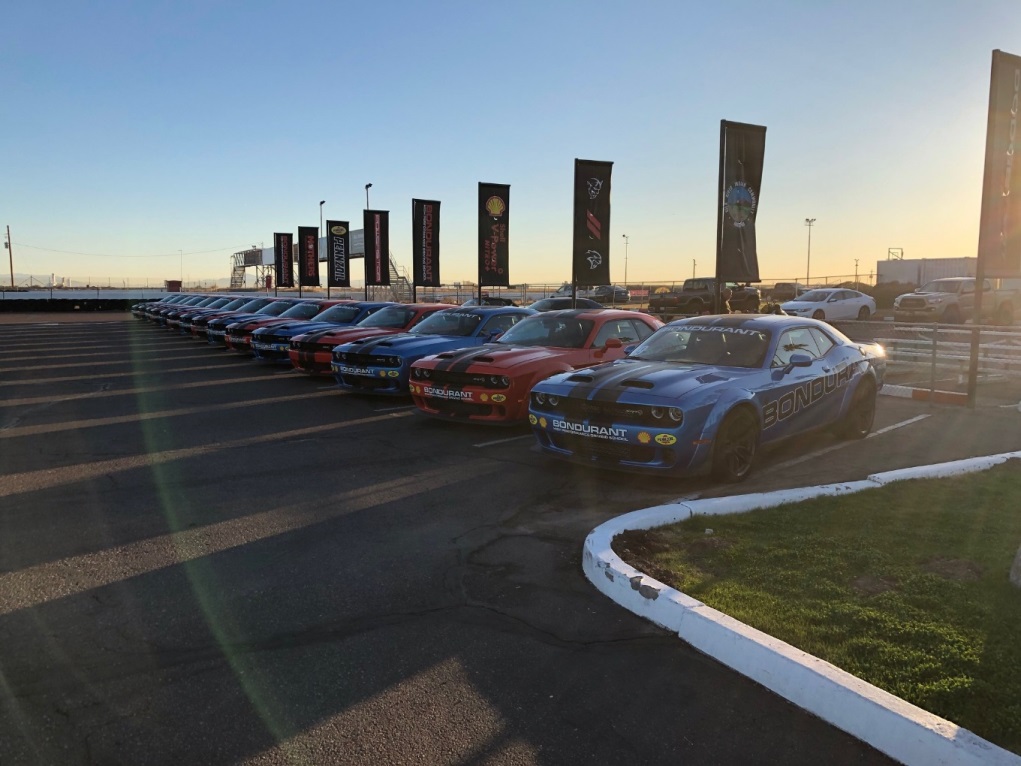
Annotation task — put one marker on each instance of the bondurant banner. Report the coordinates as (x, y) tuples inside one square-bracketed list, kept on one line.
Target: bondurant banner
[(742, 148), (999, 236), (425, 241), (338, 254), (283, 254), (494, 251), (308, 256), (591, 262), (377, 246)]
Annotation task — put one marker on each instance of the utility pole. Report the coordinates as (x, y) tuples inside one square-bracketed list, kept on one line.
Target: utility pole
[(808, 265), (10, 254)]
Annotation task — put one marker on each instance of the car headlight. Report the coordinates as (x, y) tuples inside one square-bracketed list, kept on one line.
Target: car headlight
[(675, 414), (540, 397), (657, 412), (553, 400), (416, 372)]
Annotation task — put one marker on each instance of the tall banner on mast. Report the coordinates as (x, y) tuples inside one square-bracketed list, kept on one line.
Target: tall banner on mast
[(591, 261), (742, 148), (308, 256), (494, 222), (283, 256), (999, 234), (338, 250), (377, 246), (425, 241)]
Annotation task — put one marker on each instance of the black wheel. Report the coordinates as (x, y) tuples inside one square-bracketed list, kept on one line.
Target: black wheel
[(736, 444), (952, 315), (863, 314), (818, 314), (858, 421)]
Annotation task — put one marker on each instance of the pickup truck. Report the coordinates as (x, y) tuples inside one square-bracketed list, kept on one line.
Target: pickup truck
[(696, 297), (952, 301)]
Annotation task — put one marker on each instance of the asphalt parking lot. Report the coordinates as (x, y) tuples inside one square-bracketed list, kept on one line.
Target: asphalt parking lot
[(207, 560)]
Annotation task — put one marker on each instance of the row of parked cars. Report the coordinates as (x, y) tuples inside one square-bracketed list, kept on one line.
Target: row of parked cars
[(605, 387)]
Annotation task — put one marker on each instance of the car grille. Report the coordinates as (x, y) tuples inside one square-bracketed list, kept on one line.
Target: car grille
[(366, 383), (459, 409), (365, 360), (460, 379), (912, 304), (606, 413)]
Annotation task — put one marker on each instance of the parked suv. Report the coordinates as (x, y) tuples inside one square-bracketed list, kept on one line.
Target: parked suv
[(696, 297)]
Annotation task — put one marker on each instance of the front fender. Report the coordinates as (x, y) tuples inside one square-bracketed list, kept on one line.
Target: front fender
[(714, 418)]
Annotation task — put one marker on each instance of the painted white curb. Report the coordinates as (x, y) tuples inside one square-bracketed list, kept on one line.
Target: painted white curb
[(897, 728)]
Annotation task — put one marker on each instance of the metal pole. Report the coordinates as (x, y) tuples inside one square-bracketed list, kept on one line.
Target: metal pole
[(367, 187), (10, 254), (626, 243), (808, 266), (319, 245)]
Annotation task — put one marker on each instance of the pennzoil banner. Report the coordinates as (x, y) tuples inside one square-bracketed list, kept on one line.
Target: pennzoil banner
[(283, 256), (742, 148), (338, 254), (377, 246), (591, 262), (425, 241), (494, 250), (308, 256), (999, 234)]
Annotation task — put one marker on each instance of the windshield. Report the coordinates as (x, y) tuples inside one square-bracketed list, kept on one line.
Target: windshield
[(459, 323), (235, 304), (697, 344), (940, 287), (302, 311), (815, 296), (393, 317), (254, 305), (339, 314), (275, 309), (561, 332)]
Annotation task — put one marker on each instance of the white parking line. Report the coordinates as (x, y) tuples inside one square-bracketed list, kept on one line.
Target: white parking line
[(835, 447), (503, 441)]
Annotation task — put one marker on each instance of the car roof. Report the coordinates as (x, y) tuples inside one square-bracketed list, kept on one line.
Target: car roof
[(761, 322)]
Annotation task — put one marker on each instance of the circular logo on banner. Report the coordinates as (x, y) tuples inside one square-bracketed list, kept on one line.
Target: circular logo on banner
[(340, 231), (739, 203), (495, 206)]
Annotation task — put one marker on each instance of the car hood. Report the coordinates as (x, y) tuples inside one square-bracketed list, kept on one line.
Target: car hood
[(665, 380), (409, 345), (334, 335), (496, 356), (290, 328)]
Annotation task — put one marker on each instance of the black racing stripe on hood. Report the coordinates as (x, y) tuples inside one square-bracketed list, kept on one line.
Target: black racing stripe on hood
[(458, 360), (611, 385)]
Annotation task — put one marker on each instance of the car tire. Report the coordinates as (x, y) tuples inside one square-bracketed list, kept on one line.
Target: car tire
[(952, 315), (736, 443), (857, 423), (863, 314), (819, 314)]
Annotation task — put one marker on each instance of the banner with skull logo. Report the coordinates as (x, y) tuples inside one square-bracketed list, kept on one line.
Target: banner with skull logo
[(742, 148), (591, 262)]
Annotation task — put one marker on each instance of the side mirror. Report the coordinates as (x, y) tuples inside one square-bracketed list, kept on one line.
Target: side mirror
[(800, 360), (613, 343), (629, 349)]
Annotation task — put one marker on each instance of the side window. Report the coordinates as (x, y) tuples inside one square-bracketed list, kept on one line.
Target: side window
[(642, 330), (618, 328), (822, 341), (796, 341), (967, 288), (500, 323)]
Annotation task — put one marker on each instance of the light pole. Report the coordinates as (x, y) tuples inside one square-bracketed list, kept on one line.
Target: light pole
[(182, 269), (808, 266), (855, 273), (367, 187), (626, 243), (693, 264)]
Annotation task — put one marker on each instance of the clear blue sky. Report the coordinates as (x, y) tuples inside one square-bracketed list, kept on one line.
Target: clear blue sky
[(142, 129)]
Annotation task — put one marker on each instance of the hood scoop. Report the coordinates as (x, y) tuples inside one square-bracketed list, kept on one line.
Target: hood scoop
[(580, 379), (711, 377), (484, 359)]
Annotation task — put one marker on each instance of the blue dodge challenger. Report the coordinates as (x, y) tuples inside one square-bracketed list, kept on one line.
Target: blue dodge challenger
[(703, 394)]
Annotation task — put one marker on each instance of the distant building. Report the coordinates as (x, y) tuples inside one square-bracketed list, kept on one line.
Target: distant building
[(918, 271)]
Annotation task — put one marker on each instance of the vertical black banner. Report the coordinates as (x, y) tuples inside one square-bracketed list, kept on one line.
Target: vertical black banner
[(338, 254), (742, 148), (591, 262), (308, 256), (377, 246), (283, 255), (999, 234), (425, 241), (494, 220)]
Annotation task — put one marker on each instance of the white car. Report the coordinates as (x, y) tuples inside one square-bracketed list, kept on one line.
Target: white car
[(836, 303)]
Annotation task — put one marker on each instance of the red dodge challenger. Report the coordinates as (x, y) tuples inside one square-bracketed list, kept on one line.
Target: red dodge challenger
[(490, 383), (313, 352)]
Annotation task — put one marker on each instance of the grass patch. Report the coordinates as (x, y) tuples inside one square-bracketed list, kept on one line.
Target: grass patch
[(905, 586)]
